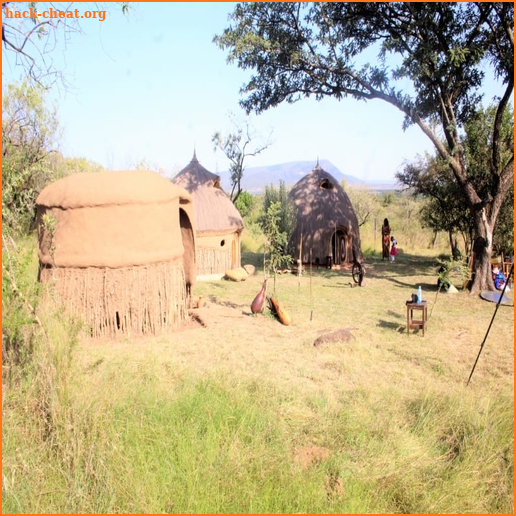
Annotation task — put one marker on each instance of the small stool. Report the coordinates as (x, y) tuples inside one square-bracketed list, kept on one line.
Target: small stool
[(416, 324)]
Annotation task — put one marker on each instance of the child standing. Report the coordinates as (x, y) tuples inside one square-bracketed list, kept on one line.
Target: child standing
[(499, 279), (394, 249)]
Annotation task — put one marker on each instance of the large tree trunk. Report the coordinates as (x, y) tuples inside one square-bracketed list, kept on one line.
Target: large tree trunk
[(482, 249), (482, 277), (485, 212)]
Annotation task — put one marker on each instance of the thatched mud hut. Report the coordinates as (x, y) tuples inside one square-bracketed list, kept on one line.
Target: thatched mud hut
[(218, 223), (325, 219), (119, 250)]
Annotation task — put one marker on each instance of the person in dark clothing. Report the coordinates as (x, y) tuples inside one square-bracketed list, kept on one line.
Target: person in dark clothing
[(386, 233)]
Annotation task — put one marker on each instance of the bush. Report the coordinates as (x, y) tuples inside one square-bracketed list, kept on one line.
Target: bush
[(20, 295)]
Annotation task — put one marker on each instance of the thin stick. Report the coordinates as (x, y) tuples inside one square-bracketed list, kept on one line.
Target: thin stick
[(490, 324), (335, 259), (311, 311), (375, 233), (264, 251), (310, 275), (300, 263)]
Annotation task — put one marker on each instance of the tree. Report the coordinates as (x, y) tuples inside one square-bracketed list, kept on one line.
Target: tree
[(448, 209), (363, 201), (445, 208), (31, 39), (237, 146), (244, 203), (442, 49), (29, 135), (277, 240), (286, 208), (503, 238), (62, 167)]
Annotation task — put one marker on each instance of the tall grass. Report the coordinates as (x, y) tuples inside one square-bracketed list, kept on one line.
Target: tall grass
[(107, 438)]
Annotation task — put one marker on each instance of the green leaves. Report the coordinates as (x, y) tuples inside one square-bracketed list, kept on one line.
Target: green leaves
[(300, 49), (278, 223), (277, 240), (29, 133)]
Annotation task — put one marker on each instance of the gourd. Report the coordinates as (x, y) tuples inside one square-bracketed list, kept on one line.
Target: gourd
[(259, 300)]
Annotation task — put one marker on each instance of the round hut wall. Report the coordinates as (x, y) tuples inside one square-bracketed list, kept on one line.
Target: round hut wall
[(326, 222), (124, 267), (216, 253)]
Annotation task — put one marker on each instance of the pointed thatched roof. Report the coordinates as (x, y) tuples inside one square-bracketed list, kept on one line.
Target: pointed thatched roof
[(214, 211), (323, 207)]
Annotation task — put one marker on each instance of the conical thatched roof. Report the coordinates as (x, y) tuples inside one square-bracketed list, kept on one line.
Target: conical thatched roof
[(323, 210), (214, 211)]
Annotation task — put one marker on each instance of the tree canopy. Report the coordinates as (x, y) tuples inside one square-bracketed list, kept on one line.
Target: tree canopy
[(447, 209), (432, 61)]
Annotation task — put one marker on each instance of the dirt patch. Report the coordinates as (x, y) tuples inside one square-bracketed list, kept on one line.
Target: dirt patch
[(310, 455), (342, 335)]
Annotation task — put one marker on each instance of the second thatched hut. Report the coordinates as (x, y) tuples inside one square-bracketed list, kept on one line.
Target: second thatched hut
[(327, 226), (218, 223)]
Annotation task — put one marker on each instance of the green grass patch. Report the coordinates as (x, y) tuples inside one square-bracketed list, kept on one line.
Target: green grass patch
[(223, 445)]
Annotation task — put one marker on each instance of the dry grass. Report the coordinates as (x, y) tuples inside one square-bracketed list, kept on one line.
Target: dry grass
[(380, 356)]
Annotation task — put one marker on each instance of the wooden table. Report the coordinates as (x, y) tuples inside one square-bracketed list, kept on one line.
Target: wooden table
[(417, 324)]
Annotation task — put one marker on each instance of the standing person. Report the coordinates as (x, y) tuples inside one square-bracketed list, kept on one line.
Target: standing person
[(386, 233), (394, 249)]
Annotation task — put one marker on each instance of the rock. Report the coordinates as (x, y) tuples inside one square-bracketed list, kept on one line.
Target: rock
[(342, 335), (239, 274), (251, 269), (451, 290)]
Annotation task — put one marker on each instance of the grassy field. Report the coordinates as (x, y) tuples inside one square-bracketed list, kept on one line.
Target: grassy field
[(245, 415)]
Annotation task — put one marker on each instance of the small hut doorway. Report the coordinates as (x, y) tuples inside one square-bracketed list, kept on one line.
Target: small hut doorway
[(187, 237), (339, 247)]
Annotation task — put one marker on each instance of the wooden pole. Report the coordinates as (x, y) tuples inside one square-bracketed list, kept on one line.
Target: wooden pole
[(264, 250), (335, 246), (311, 311), (300, 263), (374, 233)]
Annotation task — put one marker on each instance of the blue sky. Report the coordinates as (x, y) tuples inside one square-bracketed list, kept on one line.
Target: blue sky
[(151, 85)]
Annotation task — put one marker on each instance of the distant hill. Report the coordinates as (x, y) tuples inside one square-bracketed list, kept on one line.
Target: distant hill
[(257, 178)]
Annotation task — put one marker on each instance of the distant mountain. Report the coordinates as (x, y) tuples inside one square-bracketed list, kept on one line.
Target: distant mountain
[(257, 178)]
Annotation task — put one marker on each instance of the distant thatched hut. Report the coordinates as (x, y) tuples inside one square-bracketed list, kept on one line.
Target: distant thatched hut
[(119, 248), (218, 223), (325, 220)]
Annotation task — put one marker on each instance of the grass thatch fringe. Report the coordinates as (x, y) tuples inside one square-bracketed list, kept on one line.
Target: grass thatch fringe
[(213, 261), (130, 301)]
